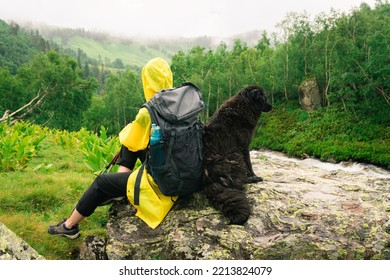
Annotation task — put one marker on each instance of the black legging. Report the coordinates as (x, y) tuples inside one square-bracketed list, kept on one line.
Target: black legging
[(111, 185)]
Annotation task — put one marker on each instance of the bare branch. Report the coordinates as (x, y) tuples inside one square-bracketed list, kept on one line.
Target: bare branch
[(29, 107)]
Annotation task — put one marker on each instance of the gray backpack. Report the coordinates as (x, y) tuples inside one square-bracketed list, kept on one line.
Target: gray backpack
[(176, 111)]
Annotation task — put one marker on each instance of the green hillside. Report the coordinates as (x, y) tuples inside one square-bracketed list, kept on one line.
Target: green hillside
[(110, 49), (134, 51)]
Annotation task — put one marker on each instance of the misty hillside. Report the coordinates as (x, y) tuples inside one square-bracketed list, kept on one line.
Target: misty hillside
[(107, 48)]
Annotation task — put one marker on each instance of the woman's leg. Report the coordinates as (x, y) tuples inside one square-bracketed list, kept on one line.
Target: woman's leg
[(74, 219), (104, 187)]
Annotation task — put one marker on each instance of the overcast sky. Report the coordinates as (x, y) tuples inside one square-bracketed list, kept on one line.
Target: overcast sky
[(188, 18)]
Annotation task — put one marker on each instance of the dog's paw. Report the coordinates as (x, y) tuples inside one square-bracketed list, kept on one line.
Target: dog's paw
[(253, 179)]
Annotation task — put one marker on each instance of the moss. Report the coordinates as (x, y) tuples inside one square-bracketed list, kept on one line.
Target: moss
[(378, 257), (360, 253), (341, 231), (342, 254), (285, 251)]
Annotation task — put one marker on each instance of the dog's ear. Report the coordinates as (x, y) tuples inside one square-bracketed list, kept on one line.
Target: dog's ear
[(257, 94)]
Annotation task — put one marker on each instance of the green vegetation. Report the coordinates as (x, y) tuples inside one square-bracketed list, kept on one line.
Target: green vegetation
[(52, 97), (17, 47), (19, 144), (49, 88), (46, 190), (346, 54), (327, 134), (98, 151)]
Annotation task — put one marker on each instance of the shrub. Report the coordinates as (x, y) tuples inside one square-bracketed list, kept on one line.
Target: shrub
[(19, 143), (98, 150)]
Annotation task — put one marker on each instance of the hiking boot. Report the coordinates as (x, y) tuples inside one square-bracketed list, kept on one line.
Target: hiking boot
[(60, 230), (111, 200)]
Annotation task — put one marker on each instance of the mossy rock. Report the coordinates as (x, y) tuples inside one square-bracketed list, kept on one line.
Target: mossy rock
[(304, 209)]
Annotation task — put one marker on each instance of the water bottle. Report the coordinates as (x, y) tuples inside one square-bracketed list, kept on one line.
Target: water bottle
[(155, 136), (156, 147)]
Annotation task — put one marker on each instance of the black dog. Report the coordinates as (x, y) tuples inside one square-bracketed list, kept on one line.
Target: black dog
[(227, 165)]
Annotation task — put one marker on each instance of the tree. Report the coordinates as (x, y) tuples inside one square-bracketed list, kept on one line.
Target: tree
[(58, 94), (16, 47), (118, 63), (123, 96), (326, 25), (10, 92), (286, 25), (266, 65), (362, 61), (348, 54)]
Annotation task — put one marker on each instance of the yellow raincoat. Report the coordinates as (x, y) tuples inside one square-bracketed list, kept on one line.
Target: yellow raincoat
[(153, 205)]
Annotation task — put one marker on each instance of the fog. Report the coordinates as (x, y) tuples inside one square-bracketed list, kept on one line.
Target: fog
[(151, 18)]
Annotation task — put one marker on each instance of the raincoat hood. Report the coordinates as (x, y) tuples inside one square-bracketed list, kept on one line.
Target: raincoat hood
[(156, 75)]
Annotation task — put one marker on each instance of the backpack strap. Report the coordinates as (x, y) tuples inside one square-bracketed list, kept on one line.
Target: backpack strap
[(170, 147), (199, 127), (137, 185), (152, 113)]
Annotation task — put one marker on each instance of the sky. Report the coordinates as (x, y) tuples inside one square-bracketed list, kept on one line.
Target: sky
[(167, 18)]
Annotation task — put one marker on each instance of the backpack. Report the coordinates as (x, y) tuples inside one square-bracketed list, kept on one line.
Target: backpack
[(176, 111)]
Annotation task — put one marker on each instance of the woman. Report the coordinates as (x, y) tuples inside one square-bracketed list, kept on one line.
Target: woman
[(156, 75)]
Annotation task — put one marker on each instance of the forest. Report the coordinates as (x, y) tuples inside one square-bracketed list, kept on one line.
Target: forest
[(346, 53)]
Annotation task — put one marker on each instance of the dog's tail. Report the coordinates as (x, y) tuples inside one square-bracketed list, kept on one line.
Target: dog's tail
[(231, 202), (224, 180)]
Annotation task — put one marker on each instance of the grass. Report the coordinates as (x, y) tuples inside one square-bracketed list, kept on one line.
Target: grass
[(44, 193)]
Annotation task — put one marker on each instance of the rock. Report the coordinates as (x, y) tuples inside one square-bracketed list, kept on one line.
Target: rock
[(309, 95), (13, 247), (93, 248), (304, 209)]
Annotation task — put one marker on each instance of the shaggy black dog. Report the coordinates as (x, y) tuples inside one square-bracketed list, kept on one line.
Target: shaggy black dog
[(227, 165)]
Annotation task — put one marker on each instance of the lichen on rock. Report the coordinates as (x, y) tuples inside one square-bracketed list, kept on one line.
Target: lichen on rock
[(13, 247), (309, 95)]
